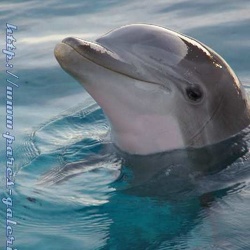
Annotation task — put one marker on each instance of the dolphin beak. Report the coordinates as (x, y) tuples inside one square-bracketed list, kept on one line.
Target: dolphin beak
[(101, 56), (94, 52)]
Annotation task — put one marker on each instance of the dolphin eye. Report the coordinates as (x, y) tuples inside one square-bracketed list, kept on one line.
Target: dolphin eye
[(194, 93)]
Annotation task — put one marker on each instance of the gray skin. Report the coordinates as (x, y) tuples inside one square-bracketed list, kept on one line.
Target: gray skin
[(159, 89)]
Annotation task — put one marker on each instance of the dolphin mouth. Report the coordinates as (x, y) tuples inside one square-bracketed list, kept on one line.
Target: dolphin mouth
[(105, 58), (90, 50)]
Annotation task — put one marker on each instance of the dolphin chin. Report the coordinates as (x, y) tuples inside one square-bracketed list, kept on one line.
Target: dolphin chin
[(159, 89)]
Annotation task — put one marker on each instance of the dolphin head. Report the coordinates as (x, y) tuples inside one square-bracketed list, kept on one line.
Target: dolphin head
[(159, 89)]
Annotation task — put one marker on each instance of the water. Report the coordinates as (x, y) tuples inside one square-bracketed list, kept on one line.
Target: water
[(65, 197)]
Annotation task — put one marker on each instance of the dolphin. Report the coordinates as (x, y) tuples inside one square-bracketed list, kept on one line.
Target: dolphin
[(160, 90)]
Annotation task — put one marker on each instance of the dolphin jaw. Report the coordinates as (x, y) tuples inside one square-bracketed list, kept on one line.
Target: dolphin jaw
[(105, 58), (85, 48)]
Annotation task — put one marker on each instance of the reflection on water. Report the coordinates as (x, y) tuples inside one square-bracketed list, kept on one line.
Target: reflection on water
[(75, 188), (73, 191)]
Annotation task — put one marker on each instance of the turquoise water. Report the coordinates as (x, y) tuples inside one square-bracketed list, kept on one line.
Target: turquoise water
[(71, 191)]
